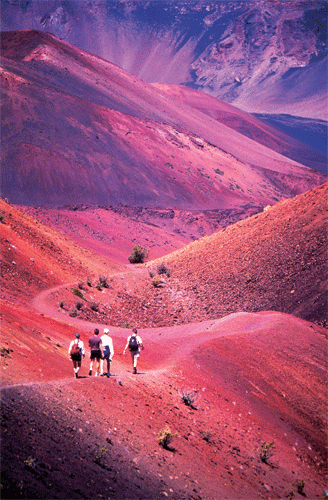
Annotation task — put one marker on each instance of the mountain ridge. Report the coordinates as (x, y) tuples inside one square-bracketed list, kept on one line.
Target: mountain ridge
[(262, 56), (81, 124)]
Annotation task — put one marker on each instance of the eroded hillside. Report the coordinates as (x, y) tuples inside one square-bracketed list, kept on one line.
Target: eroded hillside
[(275, 260)]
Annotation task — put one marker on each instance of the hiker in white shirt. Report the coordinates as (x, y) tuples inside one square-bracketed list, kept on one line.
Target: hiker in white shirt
[(108, 350), (76, 351), (134, 344)]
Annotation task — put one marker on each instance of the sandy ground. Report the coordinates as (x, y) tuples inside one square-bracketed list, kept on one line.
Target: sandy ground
[(251, 380)]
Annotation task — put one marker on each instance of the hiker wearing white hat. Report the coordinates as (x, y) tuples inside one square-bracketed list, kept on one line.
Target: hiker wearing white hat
[(108, 348)]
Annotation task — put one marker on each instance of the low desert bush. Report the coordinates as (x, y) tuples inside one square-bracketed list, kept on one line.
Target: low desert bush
[(165, 436), (100, 453), (103, 282), (162, 269), (266, 451), (188, 397), (78, 293), (138, 255), (79, 306), (73, 313), (29, 463), (94, 306), (299, 483), (157, 282), (89, 282), (207, 435), (80, 285), (61, 304)]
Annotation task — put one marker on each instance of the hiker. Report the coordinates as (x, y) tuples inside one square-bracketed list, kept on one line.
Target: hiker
[(96, 352), (76, 351), (134, 344), (108, 351)]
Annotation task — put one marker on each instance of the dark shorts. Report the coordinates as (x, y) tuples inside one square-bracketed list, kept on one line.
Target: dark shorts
[(76, 357), (106, 352), (95, 354)]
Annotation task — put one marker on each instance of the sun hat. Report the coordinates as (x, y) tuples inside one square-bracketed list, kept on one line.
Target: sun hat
[(77, 335), (106, 330)]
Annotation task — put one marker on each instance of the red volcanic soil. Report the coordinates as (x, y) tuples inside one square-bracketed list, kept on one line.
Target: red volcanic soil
[(247, 124), (113, 231), (275, 260), (76, 128), (250, 377)]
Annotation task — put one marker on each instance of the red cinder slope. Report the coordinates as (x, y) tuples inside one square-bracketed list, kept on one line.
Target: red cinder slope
[(248, 125), (275, 260), (77, 129), (252, 378)]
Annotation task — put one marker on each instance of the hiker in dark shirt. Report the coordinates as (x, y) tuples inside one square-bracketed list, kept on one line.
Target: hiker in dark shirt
[(134, 344), (96, 351)]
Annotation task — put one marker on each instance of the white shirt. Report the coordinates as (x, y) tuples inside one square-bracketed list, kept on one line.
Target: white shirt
[(79, 343), (106, 340)]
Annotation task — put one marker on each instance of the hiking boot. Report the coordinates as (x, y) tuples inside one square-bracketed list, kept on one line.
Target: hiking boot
[(134, 370), (76, 375), (90, 373), (108, 374)]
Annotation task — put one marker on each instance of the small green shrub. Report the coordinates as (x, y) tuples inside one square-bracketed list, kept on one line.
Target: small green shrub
[(165, 437), (162, 269), (94, 306), (29, 463), (249, 278), (266, 451), (89, 282), (103, 282), (138, 255), (73, 313), (79, 306), (300, 486), (157, 282), (126, 325), (78, 293), (218, 171), (80, 285), (207, 435), (62, 304), (188, 397), (290, 494), (2, 218), (100, 453)]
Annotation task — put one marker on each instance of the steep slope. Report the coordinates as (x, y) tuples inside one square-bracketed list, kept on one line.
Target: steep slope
[(35, 257), (272, 261), (275, 260), (77, 129), (264, 56), (311, 131), (255, 378)]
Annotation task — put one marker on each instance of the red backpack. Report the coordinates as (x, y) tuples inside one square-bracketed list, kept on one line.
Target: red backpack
[(75, 349)]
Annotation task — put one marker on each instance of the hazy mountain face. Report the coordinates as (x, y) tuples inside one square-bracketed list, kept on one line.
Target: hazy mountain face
[(263, 56), (76, 128)]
